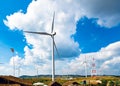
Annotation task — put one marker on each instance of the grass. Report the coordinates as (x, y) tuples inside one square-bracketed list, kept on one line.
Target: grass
[(104, 79)]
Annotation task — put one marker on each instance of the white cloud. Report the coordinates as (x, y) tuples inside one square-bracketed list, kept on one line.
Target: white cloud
[(6, 69), (105, 63), (39, 18), (107, 11), (107, 60), (111, 66)]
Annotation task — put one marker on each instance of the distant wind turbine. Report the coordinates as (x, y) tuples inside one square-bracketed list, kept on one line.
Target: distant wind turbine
[(85, 63), (52, 34), (12, 50)]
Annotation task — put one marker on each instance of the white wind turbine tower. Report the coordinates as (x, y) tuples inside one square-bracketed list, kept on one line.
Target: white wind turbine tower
[(85, 63), (52, 34)]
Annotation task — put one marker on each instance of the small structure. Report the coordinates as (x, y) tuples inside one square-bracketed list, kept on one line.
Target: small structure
[(54, 84), (38, 84), (13, 81)]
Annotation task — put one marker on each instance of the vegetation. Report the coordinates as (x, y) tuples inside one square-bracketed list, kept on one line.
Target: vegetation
[(106, 80)]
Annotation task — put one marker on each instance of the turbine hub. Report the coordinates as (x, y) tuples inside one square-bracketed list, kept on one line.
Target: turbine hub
[(54, 33)]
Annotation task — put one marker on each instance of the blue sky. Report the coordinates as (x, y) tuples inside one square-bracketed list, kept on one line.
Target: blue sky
[(92, 37), (82, 31), (10, 38)]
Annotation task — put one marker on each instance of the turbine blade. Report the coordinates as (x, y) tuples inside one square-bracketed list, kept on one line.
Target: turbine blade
[(42, 33), (56, 49), (53, 23)]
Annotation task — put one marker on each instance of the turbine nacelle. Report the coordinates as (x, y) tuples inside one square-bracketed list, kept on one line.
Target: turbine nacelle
[(53, 34)]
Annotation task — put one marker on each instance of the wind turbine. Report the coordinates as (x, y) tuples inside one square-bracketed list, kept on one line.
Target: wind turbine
[(52, 34), (85, 66), (12, 50), (85, 62)]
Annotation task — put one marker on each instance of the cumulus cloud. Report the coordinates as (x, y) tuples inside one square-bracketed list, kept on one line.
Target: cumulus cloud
[(107, 61), (106, 11), (39, 18), (7, 69)]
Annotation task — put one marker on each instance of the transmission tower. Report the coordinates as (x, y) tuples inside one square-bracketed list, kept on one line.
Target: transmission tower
[(93, 70)]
